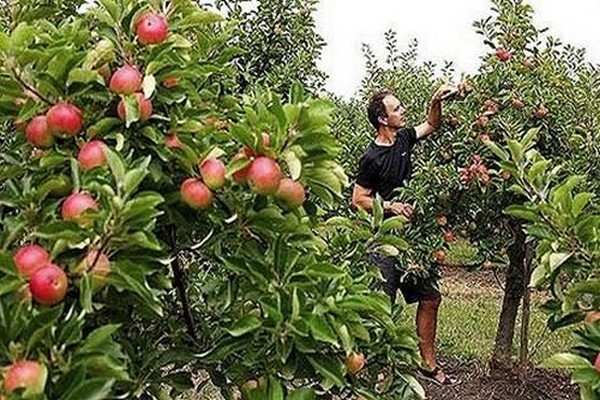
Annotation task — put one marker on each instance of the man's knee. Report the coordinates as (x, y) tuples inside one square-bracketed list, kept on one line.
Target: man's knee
[(433, 302)]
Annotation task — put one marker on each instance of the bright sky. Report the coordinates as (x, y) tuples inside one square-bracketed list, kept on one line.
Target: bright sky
[(442, 27)]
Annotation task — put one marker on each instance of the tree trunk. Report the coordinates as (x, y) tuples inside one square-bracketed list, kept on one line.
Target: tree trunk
[(514, 288), (525, 315)]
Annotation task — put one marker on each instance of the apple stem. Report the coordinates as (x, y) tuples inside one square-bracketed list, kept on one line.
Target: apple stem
[(29, 87)]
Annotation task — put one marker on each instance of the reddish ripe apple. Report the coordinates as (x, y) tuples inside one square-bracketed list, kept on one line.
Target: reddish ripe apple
[(30, 258), (291, 193), (75, 205), (355, 363), (195, 194), (95, 262), (503, 54), (213, 173), (126, 80), (172, 141), (144, 108), (518, 103), (27, 375), (170, 82), (241, 175), (592, 317), (38, 133), (449, 236), (92, 155), (48, 285), (152, 28), (483, 137), (440, 256), (482, 121), (541, 112), (64, 118), (597, 362), (528, 63), (441, 220), (264, 175)]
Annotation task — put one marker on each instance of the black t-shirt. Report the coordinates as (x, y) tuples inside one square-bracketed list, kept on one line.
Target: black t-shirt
[(386, 168)]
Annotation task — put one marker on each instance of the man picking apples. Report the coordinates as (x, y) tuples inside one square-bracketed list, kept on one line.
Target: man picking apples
[(385, 167)]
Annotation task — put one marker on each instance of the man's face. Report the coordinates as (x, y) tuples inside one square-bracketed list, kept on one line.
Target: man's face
[(395, 112)]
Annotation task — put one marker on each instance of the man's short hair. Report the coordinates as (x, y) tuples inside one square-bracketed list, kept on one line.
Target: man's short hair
[(376, 108)]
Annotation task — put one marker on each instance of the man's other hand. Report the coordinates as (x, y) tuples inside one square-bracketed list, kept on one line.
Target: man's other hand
[(401, 209)]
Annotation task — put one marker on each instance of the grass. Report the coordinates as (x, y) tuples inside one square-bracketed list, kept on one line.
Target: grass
[(469, 316)]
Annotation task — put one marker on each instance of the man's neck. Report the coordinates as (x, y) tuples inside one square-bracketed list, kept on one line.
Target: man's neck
[(386, 136)]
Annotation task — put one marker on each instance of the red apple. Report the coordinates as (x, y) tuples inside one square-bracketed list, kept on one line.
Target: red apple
[(528, 63), (440, 256), (597, 362), (355, 363), (152, 28), (213, 173), (38, 133), (483, 137), (291, 193), (92, 155), (64, 118), (75, 205), (264, 175), (503, 54), (441, 220), (126, 80), (170, 82), (28, 375), (518, 103), (173, 142), (144, 108), (241, 175), (482, 121), (449, 236), (195, 194), (541, 112), (48, 285), (30, 258)]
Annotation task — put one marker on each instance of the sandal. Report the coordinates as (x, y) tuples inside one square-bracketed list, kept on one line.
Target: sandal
[(432, 376)]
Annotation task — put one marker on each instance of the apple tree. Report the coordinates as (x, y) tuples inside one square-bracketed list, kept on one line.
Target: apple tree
[(154, 225)]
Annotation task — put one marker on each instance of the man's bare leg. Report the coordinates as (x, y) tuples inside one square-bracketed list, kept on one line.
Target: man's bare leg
[(427, 313)]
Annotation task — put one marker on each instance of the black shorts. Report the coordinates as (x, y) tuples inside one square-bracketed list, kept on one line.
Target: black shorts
[(413, 289)]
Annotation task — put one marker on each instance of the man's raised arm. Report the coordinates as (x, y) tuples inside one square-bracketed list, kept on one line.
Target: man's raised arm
[(434, 116)]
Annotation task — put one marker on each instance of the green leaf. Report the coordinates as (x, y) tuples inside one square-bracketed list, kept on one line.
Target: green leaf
[(558, 259), (388, 250), (516, 151), (566, 360), (521, 212), (133, 179), (294, 164), (302, 394), (580, 201), (116, 165), (148, 86), (501, 154), (275, 389), (246, 324), (199, 18), (329, 368), (537, 169), (97, 340), (80, 75), (91, 389), (529, 138), (22, 36), (324, 270), (321, 330), (85, 294)]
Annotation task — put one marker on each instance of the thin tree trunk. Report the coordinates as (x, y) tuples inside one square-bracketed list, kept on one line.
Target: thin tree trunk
[(526, 313), (513, 292)]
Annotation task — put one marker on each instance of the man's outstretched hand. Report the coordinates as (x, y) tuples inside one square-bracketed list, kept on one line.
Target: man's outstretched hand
[(445, 92)]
